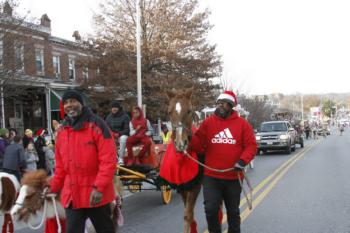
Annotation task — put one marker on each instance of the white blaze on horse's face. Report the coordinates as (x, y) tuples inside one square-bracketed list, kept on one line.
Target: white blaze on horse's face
[(178, 108), (23, 192)]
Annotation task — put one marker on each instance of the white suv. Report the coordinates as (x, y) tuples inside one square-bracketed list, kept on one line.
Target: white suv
[(276, 135)]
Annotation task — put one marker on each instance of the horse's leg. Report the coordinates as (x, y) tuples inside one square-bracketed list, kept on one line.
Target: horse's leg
[(4, 225), (192, 198), (7, 222), (184, 196), (11, 229), (190, 202)]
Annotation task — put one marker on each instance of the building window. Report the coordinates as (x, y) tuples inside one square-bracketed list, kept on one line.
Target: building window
[(19, 56), (71, 65), (39, 61), (56, 66), (85, 72)]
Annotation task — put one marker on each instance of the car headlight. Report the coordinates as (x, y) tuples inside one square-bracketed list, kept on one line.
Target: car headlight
[(284, 137), (257, 138)]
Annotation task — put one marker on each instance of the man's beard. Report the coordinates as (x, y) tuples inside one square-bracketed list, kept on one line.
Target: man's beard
[(223, 113), (74, 113)]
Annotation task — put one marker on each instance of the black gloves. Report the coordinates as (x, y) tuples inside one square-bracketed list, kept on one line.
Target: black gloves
[(239, 166)]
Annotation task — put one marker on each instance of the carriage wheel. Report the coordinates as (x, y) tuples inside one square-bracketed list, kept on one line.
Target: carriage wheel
[(134, 188), (166, 194)]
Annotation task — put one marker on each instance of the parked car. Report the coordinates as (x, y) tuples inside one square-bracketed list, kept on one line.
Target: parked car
[(276, 135)]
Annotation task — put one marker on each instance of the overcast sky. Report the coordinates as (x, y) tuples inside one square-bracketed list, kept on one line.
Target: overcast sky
[(267, 46)]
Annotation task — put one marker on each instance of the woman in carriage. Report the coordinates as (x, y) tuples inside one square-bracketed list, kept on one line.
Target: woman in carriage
[(140, 133)]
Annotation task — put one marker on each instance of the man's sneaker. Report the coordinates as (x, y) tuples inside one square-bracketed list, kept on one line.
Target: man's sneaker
[(121, 161)]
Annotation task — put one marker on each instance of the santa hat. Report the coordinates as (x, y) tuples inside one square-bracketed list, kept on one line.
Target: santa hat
[(228, 96), (40, 132)]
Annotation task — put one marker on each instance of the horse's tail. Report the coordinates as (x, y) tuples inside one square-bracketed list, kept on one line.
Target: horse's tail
[(8, 196)]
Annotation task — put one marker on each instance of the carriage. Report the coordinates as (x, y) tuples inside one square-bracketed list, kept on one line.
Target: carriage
[(145, 176)]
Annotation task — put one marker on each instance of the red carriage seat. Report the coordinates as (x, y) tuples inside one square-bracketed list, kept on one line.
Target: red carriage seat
[(153, 157)]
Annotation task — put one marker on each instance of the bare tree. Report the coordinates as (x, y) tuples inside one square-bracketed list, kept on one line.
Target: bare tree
[(14, 50), (258, 108), (175, 51)]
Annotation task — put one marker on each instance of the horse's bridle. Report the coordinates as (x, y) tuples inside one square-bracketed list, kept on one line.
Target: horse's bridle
[(42, 195), (181, 126)]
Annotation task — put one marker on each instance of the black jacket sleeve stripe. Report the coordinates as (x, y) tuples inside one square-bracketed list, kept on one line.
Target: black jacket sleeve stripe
[(103, 126)]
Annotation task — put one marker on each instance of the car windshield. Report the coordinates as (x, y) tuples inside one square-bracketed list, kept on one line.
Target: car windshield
[(268, 127)]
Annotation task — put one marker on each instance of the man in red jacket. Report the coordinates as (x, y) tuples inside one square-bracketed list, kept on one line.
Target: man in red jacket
[(228, 142), (85, 166)]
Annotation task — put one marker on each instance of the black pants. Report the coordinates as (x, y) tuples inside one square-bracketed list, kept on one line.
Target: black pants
[(216, 190), (100, 217)]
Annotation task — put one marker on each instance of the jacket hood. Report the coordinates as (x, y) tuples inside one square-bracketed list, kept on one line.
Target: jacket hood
[(140, 111)]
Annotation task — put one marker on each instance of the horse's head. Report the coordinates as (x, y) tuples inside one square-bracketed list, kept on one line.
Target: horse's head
[(31, 195), (180, 113)]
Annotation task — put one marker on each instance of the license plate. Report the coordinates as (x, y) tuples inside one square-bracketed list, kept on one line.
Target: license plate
[(269, 143)]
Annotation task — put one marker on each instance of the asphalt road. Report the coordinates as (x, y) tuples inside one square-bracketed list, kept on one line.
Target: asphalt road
[(304, 192)]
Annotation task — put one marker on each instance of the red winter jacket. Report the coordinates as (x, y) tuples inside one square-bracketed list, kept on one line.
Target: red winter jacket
[(225, 142), (85, 158)]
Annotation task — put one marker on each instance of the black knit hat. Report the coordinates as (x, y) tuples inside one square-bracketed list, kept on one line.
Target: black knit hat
[(73, 94), (115, 104)]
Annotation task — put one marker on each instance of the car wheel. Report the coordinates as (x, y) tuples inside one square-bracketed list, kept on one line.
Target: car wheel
[(288, 150)]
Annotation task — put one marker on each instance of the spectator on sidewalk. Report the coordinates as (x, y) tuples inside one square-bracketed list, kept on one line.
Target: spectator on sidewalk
[(4, 134), (27, 138), (31, 157), (165, 134), (40, 143), (50, 159), (14, 160)]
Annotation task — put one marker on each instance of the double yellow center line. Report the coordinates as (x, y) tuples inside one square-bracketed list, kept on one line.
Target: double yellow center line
[(275, 177)]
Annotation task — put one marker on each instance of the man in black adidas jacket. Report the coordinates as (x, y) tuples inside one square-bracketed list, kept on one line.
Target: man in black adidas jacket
[(118, 122)]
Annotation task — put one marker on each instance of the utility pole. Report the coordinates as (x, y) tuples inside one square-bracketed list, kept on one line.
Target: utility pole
[(302, 108), (138, 54)]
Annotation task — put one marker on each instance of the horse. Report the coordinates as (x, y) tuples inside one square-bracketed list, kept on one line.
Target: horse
[(9, 187), (180, 112), (34, 199)]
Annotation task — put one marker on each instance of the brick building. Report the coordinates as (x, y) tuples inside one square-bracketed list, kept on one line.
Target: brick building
[(35, 68)]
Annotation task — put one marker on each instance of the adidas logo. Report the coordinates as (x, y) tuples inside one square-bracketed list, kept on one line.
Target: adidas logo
[(224, 137)]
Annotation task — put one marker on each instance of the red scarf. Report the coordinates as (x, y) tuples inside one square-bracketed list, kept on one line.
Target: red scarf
[(139, 121)]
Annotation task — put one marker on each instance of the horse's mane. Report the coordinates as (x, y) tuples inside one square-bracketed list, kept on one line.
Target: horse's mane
[(35, 179)]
